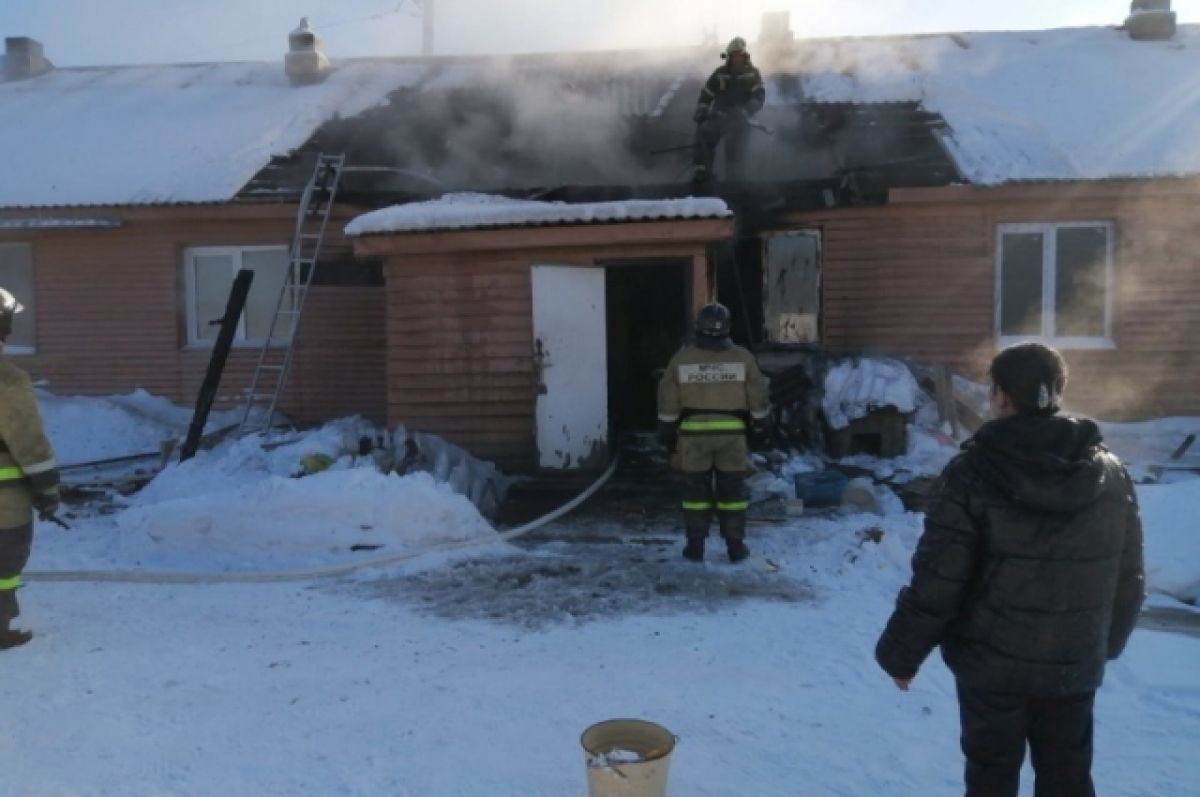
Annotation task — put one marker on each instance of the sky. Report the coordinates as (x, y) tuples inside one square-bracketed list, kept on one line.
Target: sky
[(100, 32)]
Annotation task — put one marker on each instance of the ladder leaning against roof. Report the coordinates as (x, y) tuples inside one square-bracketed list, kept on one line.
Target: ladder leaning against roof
[(275, 360)]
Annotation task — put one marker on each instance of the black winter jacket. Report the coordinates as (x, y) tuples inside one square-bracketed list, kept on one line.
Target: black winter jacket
[(1029, 573)]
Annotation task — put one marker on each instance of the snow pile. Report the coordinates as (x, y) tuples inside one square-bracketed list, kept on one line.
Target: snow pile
[(1083, 103), (309, 502), (1146, 444), (1172, 544), (471, 210), (480, 481), (853, 389), (86, 428), (240, 507)]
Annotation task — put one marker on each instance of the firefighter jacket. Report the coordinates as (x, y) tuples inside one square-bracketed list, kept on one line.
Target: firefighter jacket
[(727, 90), (28, 472), (710, 391)]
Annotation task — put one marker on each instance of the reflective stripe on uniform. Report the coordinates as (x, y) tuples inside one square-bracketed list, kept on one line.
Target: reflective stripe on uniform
[(11, 474), (733, 506), (9, 583), (665, 418), (758, 416), (41, 467), (724, 425), (696, 506)]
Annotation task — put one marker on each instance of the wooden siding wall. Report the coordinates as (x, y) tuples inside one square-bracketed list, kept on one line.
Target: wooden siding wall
[(460, 328), (111, 318), (459, 363), (917, 279)]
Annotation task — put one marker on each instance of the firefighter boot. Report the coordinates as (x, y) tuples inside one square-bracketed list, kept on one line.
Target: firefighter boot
[(10, 637), (695, 525), (733, 529)]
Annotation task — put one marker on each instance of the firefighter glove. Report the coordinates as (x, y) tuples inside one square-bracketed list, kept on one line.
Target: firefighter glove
[(760, 431), (667, 434), (46, 505)]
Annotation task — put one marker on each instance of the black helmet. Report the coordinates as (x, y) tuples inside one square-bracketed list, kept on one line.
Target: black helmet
[(9, 307), (713, 321)]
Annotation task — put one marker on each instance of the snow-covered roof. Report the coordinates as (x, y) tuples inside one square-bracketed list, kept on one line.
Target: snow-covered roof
[(472, 211), (167, 134), (1068, 104)]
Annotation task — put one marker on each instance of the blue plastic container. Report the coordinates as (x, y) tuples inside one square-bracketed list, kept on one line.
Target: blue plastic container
[(822, 488)]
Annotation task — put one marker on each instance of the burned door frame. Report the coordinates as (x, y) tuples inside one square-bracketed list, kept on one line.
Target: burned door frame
[(686, 271), (772, 333)]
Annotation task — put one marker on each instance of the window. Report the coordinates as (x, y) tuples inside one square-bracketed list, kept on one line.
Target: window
[(1054, 282), (16, 276), (210, 272), (792, 287)]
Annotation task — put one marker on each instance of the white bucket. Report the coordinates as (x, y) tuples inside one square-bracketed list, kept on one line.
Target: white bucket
[(627, 758)]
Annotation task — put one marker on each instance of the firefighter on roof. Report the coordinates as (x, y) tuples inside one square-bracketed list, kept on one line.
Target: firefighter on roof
[(729, 100)]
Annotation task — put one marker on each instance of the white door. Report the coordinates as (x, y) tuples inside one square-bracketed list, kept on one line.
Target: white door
[(570, 366)]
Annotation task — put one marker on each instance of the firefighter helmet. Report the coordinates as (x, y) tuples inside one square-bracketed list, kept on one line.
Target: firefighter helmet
[(9, 307), (713, 321), (736, 45)]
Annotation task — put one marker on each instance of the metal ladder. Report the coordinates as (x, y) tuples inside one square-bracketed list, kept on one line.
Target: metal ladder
[(275, 359)]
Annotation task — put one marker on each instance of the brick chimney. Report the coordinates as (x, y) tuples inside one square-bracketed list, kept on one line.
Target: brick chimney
[(24, 58), (775, 38), (305, 62), (1150, 20)]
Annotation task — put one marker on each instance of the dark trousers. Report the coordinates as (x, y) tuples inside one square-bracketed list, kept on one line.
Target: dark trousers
[(730, 126), (15, 545), (996, 728)]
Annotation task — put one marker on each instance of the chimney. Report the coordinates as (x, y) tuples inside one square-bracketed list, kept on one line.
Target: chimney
[(427, 22), (1150, 20), (775, 39), (24, 58), (304, 62)]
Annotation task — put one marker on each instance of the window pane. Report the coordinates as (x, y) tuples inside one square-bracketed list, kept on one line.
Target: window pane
[(270, 268), (1081, 260), (214, 277), (1021, 284), (16, 276)]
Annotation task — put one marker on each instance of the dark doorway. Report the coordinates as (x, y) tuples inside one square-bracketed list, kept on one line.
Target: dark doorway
[(647, 321)]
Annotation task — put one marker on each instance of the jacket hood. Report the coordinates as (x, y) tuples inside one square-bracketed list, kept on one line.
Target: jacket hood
[(1052, 464)]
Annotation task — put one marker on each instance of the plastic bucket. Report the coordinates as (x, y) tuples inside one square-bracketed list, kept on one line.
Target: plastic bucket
[(822, 488), (627, 758)]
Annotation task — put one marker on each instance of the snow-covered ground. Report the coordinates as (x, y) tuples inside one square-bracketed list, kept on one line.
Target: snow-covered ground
[(473, 672)]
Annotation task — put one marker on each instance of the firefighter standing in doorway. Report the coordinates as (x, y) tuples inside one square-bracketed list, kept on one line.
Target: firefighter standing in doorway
[(729, 100), (28, 477), (710, 396)]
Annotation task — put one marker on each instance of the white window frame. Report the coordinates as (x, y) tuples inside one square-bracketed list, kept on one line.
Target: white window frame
[(27, 301), (189, 267), (1049, 232)]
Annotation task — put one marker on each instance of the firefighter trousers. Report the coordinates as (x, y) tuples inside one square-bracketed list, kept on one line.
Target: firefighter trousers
[(714, 473), (15, 544)]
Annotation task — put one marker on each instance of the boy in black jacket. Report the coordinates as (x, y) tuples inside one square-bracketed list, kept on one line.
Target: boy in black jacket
[(1029, 576)]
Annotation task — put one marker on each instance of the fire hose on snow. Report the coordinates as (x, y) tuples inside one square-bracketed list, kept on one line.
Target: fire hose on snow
[(170, 577)]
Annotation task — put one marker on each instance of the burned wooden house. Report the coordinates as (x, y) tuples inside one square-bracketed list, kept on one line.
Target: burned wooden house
[(930, 197)]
